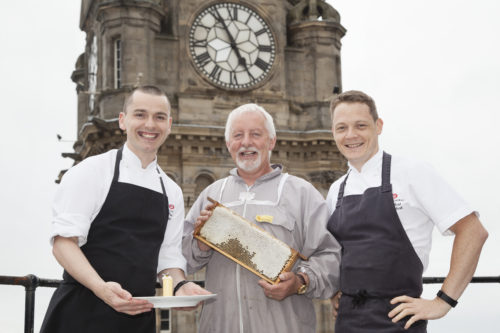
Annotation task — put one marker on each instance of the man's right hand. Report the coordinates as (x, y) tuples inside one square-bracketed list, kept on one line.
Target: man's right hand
[(335, 304), (204, 216), (121, 300)]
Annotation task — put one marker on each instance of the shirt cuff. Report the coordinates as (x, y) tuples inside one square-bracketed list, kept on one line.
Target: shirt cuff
[(171, 263), (68, 225), (197, 253)]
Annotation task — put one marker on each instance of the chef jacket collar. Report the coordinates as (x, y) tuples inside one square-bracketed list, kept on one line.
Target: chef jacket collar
[(374, 162), (131, 160)]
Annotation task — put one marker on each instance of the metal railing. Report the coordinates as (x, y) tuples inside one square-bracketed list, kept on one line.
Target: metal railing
[(31, 282), (476, 279)]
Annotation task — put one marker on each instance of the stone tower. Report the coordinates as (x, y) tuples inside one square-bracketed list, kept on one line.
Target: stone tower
[(287, 59)]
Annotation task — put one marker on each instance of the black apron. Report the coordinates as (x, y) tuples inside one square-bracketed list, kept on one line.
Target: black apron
[(123, 245), (378, 260)]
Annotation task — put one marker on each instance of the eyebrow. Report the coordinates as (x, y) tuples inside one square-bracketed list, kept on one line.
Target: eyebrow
[(154, 112)]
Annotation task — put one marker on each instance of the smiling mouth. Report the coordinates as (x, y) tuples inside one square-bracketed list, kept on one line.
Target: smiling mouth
[(356, 145), (148, 135), (247, 153)]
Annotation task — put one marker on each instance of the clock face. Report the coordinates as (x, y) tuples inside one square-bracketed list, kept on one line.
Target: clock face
[(232, 46)]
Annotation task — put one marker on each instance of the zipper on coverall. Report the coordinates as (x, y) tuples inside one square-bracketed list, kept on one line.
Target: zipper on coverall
[(245, 197), (238, 267)]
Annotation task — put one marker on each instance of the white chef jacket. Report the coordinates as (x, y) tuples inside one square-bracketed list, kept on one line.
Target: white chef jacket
[(84, 188), (422, 198)]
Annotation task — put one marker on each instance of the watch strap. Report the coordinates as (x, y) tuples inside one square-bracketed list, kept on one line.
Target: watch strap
[(301, 278), (303, 287), (441, 294), (179, 285)]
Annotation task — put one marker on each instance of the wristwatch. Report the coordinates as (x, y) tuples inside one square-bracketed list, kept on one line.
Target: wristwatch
[(303, 287)]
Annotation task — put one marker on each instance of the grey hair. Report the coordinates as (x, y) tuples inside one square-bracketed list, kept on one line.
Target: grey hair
[(251, 107)]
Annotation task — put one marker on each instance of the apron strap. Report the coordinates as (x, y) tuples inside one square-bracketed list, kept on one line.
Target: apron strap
[(386, 179), (164, 194), (116, 175), (340, 196), (386, 173)]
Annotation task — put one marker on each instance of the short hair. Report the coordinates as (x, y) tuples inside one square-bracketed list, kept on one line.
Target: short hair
[(147, 89), (355, 96), (268, 120)]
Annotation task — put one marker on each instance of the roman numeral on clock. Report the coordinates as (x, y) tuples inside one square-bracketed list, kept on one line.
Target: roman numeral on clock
[(215, 13), (265, 48), (260, 32), (261, 64), (200, 25), (200, 43), (216, 72), (203, 59), (234, 15)]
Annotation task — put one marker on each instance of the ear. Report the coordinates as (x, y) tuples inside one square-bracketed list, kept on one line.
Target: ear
[(379, 124), (121, 121), (169, 124), (273, 143)]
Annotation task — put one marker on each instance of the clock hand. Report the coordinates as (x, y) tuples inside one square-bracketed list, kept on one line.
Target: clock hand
[(241, 60)]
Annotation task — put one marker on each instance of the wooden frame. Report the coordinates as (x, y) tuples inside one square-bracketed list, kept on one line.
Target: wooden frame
[(286, 268)]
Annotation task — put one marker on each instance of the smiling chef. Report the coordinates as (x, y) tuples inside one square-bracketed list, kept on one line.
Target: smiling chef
[(383, 213), (117, 225)]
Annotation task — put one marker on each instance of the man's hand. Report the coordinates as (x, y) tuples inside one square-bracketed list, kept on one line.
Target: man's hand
[(288, 285), (335, 304), (71, 257), (204, 215), (121, 300), (191, 289), (418, 309)]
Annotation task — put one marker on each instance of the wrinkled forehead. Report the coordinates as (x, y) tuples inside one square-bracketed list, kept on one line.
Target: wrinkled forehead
[(247, 120)]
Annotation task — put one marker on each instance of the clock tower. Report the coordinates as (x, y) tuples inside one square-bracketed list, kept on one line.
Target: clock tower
[(210, 57)]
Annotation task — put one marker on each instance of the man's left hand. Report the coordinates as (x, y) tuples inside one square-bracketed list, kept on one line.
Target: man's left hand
[(418, 309), (191, 289), (287, 286)]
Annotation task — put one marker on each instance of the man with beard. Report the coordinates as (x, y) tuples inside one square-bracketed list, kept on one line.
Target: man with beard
[(298, 216)]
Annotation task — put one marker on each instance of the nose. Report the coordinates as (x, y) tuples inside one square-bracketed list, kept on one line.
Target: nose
[(150, 122), (246, 142), (351, 132)]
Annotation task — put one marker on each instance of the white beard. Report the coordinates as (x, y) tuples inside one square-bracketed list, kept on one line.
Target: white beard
[(248, 166)]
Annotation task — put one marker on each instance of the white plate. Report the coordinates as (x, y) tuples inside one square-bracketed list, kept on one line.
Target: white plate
[(166, 302)]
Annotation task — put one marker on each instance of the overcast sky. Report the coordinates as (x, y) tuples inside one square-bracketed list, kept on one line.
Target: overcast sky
[(431, 66)]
